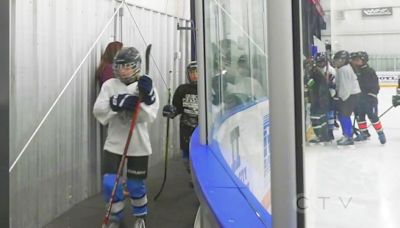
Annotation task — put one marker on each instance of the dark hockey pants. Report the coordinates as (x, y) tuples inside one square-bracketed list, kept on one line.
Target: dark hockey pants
[(368, 106), (319, 122)]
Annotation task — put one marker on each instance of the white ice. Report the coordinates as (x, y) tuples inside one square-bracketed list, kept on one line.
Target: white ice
[(356, 187)]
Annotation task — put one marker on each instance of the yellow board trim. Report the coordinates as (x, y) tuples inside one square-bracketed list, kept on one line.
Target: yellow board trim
[(388, 85)]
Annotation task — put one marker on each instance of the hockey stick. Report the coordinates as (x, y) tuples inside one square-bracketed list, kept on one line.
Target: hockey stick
[(124, 155), (166, 148), (387, 110), (166, 151), (121, 164), (147, 56), (356, 131)]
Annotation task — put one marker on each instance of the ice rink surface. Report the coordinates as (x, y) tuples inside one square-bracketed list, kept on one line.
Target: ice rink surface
[(357, 187)]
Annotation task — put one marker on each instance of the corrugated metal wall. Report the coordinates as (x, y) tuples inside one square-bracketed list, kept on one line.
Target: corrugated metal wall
[(49, 39)]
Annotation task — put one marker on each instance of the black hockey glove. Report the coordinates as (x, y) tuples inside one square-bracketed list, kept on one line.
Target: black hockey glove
[(396, 100), (122, 102), (145, 86), (169, 111)]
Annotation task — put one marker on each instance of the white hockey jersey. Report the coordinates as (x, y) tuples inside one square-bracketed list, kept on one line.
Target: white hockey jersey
[(119, 123), (346, 82)]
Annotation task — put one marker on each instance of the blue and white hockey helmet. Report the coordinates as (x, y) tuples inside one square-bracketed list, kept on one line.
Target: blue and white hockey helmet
[(127, 57)]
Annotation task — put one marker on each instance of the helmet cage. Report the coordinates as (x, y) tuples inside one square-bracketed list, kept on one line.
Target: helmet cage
[(191, 67), (341, 58), (135, 66)]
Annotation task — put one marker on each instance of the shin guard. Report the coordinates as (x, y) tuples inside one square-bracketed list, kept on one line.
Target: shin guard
[(137, 191)]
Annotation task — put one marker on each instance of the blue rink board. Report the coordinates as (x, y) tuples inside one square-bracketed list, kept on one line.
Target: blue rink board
[(231, 202)]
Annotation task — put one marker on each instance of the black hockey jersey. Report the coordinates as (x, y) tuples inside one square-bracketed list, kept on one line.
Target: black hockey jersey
[(368, 80), (319, 90), (186, 102)]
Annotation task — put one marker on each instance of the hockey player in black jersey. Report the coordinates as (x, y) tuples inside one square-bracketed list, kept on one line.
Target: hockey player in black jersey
[(320, 100), (368, 102), (185, 103)]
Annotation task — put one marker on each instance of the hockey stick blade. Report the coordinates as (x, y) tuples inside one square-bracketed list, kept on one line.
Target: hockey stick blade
[(165, 165), (166, 146), (147, 56)]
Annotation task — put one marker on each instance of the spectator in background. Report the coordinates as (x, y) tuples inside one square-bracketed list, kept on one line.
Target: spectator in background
[(233, 82), (105, 72), (105, 69)]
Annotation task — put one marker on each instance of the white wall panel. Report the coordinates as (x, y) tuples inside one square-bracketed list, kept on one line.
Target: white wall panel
[(351, 31), (61, 166), (177, 8)]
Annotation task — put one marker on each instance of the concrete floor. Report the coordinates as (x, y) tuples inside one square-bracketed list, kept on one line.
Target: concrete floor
[(176, 207)]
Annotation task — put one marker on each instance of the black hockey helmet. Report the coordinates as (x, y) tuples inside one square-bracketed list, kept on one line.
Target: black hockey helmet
[(127, 57), (353, 55), (320, 57), (363, 56), (191, 67), (341, 58)]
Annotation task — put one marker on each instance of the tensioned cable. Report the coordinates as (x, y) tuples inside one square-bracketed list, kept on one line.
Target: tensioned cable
[(145, 43), (63, 90), (241, 28)]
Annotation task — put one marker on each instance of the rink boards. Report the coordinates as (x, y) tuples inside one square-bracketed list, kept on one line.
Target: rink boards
[(388, 78), (244, 145), (232, 174)]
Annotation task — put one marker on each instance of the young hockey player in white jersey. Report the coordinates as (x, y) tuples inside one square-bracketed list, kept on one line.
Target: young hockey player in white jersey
[(114, 106), (348, 91)]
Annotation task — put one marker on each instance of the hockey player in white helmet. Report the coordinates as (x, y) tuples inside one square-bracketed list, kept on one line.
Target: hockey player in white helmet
[(114, 106)]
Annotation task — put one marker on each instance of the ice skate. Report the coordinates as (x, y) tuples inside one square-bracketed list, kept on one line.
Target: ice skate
[(382, 137), (314, 141), (113, 224), (361, 137), (323, 143), (345, 142), (140, 222)]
